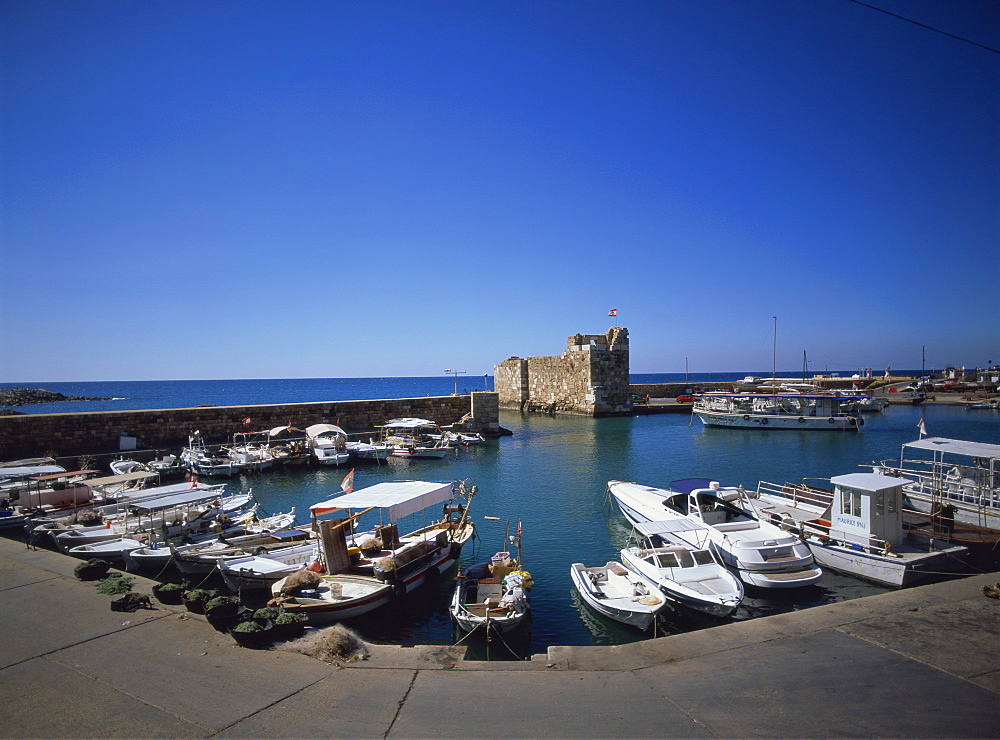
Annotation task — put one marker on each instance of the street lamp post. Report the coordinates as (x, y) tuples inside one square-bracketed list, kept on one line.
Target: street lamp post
[(456, 373)]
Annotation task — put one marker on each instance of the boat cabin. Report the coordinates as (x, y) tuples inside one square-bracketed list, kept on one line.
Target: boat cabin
[(867, 507), (708, 500)]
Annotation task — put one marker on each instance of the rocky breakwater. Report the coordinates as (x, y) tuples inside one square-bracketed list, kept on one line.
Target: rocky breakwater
[(26, 396)]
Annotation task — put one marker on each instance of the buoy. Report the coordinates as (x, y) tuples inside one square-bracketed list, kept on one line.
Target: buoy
[(315, 566)]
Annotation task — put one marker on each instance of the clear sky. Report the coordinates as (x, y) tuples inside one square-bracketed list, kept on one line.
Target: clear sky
[(339, 189)]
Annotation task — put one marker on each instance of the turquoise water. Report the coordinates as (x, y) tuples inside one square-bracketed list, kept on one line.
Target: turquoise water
[(551, 474)]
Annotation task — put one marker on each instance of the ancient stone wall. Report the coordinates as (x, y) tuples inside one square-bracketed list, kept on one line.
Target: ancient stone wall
[(33, 435), (591, 377)]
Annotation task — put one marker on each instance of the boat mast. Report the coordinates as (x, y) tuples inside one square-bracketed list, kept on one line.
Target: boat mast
[(774, 357)]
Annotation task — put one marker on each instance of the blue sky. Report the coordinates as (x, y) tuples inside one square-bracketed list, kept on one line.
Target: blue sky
[(344, 189)]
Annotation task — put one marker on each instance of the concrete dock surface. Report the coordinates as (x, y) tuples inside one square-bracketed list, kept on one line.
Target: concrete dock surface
[(921, 662)]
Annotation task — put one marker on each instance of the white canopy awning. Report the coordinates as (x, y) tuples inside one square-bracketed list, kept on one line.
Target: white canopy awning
[(317, 429), (123, 478), (670, 526), (397, 498), (956, 447)]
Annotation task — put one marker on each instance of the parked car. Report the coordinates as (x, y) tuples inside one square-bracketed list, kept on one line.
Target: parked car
[(638, 400), (685, 398)]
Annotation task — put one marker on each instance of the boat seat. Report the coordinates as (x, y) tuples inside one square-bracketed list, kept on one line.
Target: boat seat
[(617, 569)]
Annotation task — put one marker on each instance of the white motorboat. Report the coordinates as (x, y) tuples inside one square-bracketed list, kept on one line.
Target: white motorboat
[(950, 472), (678, 557), (411, 437), (328, 443), (258, 572), (619, 594), (357, 564), (123, 465), (114, 550), (816, 411), (761, 553), (858, 528)]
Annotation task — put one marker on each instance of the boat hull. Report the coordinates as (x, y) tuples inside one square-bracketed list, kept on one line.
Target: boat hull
[(886, 570), (625, 609), (777, 421)]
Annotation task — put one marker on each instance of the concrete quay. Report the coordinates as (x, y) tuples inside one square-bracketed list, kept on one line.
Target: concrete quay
[(921, 662)]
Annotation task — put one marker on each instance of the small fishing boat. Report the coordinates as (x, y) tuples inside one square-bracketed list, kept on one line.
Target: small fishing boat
[(411, 437), (368, 570), (328, 443), (199, 459), (199, 555), (335, 597), (114, 550), (619, 594), (491, 597), (370, 450), (251, 450), (687, 571), (485, 604), (258, 572)]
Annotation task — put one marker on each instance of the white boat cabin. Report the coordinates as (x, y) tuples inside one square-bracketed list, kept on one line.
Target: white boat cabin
[(867, 507)]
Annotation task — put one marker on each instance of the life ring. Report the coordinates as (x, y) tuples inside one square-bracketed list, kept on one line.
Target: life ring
[(802, 420), (763, 421), (746, 417), (852, 421), (831, 420)]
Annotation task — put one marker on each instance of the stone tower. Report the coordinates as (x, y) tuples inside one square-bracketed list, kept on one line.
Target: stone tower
[(591, 377)]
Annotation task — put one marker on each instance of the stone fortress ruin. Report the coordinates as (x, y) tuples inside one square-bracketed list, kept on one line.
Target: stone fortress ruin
[(590, 378)]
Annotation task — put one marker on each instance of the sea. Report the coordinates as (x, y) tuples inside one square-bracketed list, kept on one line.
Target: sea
[(549, 478)]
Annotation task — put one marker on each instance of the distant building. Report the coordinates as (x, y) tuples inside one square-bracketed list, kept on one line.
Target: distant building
[(590, 378)]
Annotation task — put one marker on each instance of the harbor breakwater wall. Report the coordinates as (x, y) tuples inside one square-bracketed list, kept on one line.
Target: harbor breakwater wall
[(36, 435)]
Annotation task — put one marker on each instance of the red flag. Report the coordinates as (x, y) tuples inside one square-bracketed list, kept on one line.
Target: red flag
[(518, 527), (922, 427), (246, 421), (613, 312), (348, 483)]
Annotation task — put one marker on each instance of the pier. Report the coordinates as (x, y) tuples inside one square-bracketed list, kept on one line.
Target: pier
[(918, 662)]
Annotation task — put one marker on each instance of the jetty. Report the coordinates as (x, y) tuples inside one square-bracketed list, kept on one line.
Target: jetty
[(920, 662)]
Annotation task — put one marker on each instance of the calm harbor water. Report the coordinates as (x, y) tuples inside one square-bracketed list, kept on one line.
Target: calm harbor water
[(551, 475)]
